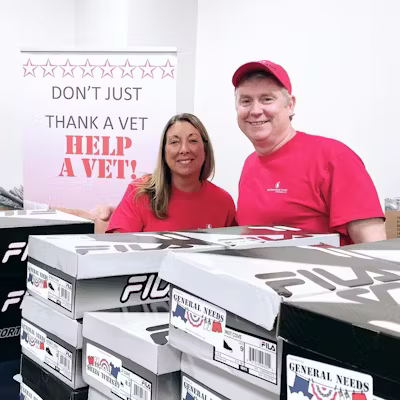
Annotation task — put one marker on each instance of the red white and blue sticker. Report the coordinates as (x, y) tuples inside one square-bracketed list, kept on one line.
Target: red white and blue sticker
[(102, 366), (198, 317), (46, 350), (108, 369), (49, 286), (319, 381), (37, 280)]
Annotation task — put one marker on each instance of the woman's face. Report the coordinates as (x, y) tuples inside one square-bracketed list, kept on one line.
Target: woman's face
[(184, 150)]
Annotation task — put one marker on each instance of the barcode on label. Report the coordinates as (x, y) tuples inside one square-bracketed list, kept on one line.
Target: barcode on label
[(65, 294), (260, 357), (140, 393), (66, 362)]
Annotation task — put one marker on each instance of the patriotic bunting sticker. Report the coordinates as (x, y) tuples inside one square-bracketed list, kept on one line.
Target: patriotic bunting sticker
[(198, 317), (320, 381)]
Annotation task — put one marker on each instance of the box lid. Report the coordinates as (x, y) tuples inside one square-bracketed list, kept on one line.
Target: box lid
[(243, 237), (142, 338), (386, 249), (23, 218), (252, 283), (104, 255), (88, 256), (52, 321), (358, 326)]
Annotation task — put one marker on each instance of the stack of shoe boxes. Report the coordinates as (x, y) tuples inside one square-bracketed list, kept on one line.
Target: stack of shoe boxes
[(72, 277), (224, 311), (15, 228), (68, 276), (354, 352)]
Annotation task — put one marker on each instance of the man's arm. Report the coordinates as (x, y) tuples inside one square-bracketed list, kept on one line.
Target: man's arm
[(367, 230)]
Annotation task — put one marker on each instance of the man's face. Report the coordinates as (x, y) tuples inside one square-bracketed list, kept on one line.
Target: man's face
[(263, 112)]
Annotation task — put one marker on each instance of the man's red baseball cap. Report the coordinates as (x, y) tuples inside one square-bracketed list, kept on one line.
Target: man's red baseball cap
[(274, 69)]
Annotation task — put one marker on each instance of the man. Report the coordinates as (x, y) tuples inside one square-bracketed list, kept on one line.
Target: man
[(295, 179)]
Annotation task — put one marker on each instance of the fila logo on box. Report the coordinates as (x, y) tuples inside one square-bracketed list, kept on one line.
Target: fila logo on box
[(145, 242), (362, 275), (150, 286), (13, 298), (160, 335), (12, 331), (15, 249)]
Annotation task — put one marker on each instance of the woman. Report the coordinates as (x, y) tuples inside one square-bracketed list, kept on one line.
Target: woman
[(178, 195)]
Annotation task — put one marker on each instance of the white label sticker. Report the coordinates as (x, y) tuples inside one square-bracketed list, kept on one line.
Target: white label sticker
[(193, 391), (33, 340), (37, 280), (198, 318), (132, 386), (59, 358), (60, 292), (49, 286), (102, 366), (316, 381), (252, 355), (48, 352), (26, 393)]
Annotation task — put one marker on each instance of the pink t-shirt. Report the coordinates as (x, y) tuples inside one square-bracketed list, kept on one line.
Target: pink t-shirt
[(211, 207), (313, 183)]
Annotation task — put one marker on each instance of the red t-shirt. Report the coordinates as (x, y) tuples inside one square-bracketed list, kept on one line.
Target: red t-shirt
[(311, 182), (211, 207)]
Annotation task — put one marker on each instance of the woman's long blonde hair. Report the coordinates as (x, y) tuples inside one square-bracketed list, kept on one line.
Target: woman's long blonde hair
[(157, 186)]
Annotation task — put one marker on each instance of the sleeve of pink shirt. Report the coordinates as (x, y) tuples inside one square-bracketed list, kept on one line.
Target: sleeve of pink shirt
[(349, 191), (127, 216)]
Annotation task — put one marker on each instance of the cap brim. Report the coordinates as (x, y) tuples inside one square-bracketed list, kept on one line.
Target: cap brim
[(249, 67)]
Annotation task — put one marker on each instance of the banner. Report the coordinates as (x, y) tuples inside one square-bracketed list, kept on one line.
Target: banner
[(92, 122)]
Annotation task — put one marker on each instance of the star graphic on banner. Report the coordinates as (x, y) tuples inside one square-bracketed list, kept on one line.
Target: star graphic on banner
[(68, 69), (29, 68), (147, 69), (88, 69), (48, 69), (127, 69), (168, 70), (107, 69)]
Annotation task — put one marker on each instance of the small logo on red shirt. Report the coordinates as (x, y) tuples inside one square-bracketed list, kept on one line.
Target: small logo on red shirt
[(277, 188)]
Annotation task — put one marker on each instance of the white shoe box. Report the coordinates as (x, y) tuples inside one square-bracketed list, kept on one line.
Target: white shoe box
[(81, 273), (127, 354)]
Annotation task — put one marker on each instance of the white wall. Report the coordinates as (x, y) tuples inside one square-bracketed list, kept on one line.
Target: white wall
[(343, 62), (25, 24), (169, 23), (102, 24), (109, 24)]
